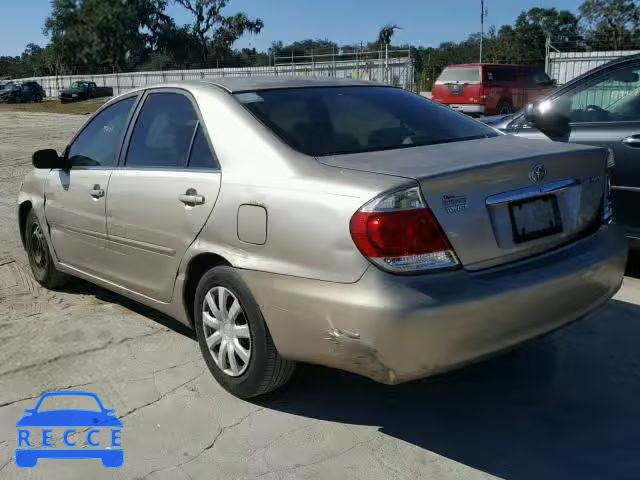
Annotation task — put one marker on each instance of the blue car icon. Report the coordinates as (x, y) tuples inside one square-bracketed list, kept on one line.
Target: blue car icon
[(95, 419)]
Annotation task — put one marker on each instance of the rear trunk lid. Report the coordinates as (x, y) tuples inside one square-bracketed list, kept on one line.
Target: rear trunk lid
[(458, 85), (502, 198)]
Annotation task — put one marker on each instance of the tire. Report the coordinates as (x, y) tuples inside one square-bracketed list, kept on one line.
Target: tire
[(504, 107), (39, 254), (265, 370)]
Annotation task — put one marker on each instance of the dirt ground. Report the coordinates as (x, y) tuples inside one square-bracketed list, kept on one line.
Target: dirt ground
[(55, 106), (564, 407)]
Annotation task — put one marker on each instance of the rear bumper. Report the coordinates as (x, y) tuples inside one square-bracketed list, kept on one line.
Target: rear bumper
[(396, 328), (468, 108)]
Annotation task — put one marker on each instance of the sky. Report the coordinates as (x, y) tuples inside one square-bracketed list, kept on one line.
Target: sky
[(423, 22)]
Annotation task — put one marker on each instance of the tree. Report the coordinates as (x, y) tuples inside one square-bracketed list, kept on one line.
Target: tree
[(385, 34), (93, 34), (526, 40), (613, 24), (213, 30), (303, 47)]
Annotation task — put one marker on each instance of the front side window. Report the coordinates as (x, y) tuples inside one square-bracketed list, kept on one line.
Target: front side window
[(615, 96), (98, 144), (324, 121), (163, 132)]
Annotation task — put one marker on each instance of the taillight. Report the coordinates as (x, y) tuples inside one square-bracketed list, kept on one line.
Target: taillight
[(484, 94), (397, 232)]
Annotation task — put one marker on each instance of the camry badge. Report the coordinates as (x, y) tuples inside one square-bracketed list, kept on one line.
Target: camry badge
[(454, 204)]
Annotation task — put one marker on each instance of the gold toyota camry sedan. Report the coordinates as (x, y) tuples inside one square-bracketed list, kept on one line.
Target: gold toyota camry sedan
[(336, 222)]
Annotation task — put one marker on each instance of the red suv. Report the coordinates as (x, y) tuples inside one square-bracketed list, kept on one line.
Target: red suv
[(490, 89)]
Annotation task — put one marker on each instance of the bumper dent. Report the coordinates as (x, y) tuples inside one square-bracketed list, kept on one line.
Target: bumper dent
[(359, 356), (396, 328)]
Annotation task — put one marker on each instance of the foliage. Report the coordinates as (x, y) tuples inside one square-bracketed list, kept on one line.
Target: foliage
[(303, 47), (612, 24), (385, 34), (215, 32), (98, 36)]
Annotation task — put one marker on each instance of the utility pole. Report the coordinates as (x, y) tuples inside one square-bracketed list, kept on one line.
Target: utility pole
[(483, 13)]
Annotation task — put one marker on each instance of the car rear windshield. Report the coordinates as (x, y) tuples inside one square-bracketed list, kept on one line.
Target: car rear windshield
[(459, 75), (321, 121)]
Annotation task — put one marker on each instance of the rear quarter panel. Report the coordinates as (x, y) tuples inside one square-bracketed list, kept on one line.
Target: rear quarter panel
[(309, 204)]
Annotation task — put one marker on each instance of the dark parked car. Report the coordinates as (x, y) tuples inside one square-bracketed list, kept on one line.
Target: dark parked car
[(82, 90), (23, 92), (602, 108)]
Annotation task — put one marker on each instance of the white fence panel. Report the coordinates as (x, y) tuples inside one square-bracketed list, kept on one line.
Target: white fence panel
[(394, 71), (565, 66)]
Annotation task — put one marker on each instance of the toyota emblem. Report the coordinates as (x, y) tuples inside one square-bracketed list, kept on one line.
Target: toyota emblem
[(538, 173)]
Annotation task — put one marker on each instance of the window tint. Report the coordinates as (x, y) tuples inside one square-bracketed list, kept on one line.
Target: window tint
[(99, 142), (163, 132), (337, 120), (459, 75), (201, 155), (501, 74), (613, 97)]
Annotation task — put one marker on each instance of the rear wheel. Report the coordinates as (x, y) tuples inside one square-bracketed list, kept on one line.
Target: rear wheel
[(39, 254), (505, 107), (233, 337)]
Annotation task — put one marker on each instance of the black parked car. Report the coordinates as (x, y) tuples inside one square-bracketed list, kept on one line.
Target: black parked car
[(23, 92), (601, 107), (83, 90)]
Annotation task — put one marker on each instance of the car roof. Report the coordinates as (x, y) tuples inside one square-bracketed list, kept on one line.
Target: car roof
[(248, 84), (270, 82)]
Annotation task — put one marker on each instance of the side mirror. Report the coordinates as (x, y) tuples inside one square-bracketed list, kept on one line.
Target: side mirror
[(547, 119), (47, 158)]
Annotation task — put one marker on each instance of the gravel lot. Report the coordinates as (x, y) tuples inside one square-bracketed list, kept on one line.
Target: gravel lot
[(565, 407)]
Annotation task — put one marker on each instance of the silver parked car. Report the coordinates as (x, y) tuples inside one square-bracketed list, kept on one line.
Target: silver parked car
[(341, 223)]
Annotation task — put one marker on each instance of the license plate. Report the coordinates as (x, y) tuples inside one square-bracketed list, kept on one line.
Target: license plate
[(455, 88), (535, 218)]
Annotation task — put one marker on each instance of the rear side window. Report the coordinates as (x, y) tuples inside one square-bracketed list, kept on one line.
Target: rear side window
[(201, 154), (459, 75), (163, 132), (99, 142), (501, 74), (324, 121)]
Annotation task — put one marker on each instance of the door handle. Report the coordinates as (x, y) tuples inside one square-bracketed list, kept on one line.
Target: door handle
[(632, 141), (96, 191), (191, 197)]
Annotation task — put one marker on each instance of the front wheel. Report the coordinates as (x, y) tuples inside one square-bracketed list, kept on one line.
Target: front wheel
[(233, 337), (42, 267)]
